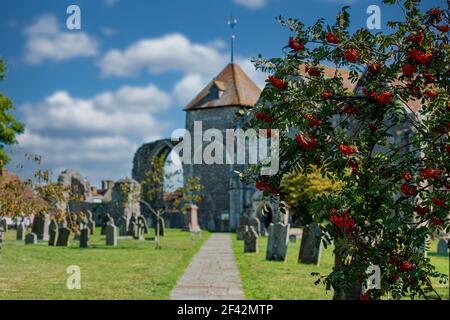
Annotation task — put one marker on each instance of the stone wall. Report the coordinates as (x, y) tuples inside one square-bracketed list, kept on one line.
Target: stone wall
[(224, 196)]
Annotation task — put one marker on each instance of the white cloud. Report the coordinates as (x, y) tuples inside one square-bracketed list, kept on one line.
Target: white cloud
[(251, 4), (172, 52), (97, 136), (45, 41), (188, 87)]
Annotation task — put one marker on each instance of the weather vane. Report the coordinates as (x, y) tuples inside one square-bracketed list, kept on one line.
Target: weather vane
[(232, 23)]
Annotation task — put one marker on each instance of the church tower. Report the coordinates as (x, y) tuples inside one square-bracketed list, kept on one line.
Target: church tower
[(225, 198)]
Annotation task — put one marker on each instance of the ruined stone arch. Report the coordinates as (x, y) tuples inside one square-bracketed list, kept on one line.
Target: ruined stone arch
[(142, 164)]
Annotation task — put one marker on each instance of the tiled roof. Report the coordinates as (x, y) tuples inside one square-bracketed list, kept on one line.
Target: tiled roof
[(329, 72), (232, 87)]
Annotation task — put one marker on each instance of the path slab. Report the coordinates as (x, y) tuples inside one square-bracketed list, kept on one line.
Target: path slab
[(212, 273)]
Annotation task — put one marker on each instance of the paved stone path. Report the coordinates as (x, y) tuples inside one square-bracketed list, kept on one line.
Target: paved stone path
[(212, 274)]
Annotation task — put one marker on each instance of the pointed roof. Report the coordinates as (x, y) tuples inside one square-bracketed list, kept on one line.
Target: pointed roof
[(232, 87)]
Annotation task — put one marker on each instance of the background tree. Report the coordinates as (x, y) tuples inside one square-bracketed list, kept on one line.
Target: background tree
[(303, 191), (397, 194), (156, 181), (9, 126)]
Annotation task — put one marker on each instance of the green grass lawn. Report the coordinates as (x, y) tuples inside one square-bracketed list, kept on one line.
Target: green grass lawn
[(132, 270), (290, 280)]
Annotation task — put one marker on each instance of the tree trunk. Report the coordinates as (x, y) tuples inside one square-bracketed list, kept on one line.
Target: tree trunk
[(352, 293), (158, 245)]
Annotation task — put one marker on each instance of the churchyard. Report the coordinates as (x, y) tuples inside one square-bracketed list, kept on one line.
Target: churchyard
[(290, 280), (134, 269), (131, 270)]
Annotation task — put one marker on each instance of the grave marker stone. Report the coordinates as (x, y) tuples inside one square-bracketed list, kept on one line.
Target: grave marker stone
[(31, 238), (278, 242), (84, 237), (21, 230), (241, 228), (53, 233), (250, 240), (256, 224), (442, 247), (311, 244), (111, 235), (63, 237)]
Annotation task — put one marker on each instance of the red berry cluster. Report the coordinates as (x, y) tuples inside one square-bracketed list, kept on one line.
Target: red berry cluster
[(278, 83), (347, 150), (306, 143)]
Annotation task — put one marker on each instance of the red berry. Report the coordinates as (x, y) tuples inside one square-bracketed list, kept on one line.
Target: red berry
[(331, 38), (408, 70), (295, 45), (351, 55)]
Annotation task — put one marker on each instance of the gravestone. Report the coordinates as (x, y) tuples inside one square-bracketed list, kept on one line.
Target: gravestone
[(106, 219), (124, 225), (142, 222), (4, 224), (293, 238), (84, 237), (311, 244), (31, 238), (241, 228), (142, 228), (256, 224), (191, 222), (278, 242), (91, 222), (442, 247), (132, 228), (53, 233), (250, 240), (111, 235), (63, 237), (21, 230), (40, 227)]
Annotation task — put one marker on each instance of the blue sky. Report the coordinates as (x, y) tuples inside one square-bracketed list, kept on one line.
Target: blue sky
[(90, 98)]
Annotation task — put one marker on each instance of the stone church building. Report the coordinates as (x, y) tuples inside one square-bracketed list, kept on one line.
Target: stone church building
[(225, 197)]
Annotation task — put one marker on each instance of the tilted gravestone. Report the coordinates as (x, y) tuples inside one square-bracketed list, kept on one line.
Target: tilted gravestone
[(111, 235), (53, 233), (63, 237), (311, 244), (442, 247), (278, 242), (250, 240), (21, 230), (31, 238), (241, 228), (84, 237), (256, 224)]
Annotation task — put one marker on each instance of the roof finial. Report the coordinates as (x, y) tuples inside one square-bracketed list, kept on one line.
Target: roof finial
[(232, 23)]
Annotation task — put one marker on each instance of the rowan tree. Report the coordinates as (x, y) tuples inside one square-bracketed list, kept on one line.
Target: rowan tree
[(397, 194)]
